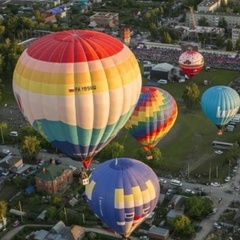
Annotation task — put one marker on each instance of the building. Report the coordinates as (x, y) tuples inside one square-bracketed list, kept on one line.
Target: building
[(213, 18), (158, 233), (59, 231), (53, 178), (235, 34), (209, 5), (161, 71), (105, 19), (11, 163)]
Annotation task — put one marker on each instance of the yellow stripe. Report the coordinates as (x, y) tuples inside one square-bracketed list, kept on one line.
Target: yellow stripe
[(119, 198), (100, 81), (137, 196), (89, 189), (151, 190)]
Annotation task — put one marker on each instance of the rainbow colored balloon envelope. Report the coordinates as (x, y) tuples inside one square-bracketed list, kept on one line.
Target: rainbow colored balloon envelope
[(122, 193), (77, 88), (153, 117)]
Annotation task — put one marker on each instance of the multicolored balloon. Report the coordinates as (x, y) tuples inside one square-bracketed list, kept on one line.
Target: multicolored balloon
[(191, 63), (123, 192), (153, 117), (220, 104), (77, 88)]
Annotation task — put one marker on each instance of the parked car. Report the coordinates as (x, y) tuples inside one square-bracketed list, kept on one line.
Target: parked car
[(199, 188), (219, 152), (214, 210), (215, 184), (13, 134), (16, 223), (162, 81), (189, 191), (6, 151), (216, 225), (235, 169), (161, 180), (227, 179)]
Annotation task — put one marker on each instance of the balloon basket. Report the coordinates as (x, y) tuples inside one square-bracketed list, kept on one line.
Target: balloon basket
[(84, 179), (149, 157)]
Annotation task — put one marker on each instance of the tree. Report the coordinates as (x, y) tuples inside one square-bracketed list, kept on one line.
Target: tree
[(191, 95), (222, 23), (181, 225), (166, 38), (229, 45), (112, 150), (3, 209), (3, 126), (198, 207), (30, 146), (220, 40), (203, 22), (56, 200), (156, 154), (51, 212), (237, 45)]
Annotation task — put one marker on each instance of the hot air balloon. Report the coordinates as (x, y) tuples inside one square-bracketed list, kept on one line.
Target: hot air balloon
[(77, 88), (191, 63), (153, 117), (220, 104), (122, 192)]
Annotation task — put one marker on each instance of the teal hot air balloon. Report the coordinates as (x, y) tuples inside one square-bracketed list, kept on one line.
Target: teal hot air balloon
[(220, 104), (122, 193)]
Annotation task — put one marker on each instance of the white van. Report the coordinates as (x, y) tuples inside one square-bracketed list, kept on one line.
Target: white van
[(13, 134), (176, 182)]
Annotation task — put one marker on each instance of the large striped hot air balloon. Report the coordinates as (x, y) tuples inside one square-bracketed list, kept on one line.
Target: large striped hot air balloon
[(153, 117), (220, 104), (77, 88), (191, 63), (122, 192)]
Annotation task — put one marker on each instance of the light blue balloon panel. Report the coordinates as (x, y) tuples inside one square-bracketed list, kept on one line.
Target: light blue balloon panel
[(220, 104)]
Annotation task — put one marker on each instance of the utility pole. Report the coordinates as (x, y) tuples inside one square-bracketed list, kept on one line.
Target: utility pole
[(216, 171), (210, 172), (20, 208), (188, 170)]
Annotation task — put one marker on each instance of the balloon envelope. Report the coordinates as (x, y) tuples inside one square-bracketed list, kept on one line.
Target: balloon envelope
[(153, 117), (220, 104), (77, 88), (122, 192), (191, 63)]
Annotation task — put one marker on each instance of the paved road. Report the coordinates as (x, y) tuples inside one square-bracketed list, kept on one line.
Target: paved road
[(216, 193)]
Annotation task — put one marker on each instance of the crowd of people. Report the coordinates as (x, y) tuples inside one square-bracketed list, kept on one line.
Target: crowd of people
[(218, 60)]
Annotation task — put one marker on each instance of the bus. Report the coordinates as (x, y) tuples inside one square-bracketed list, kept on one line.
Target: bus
[(221, 145), (176, 182)]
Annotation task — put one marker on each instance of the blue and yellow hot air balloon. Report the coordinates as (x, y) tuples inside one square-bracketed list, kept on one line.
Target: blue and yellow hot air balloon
[(77, 88), (220, 104), (153, 117), (122, 192)]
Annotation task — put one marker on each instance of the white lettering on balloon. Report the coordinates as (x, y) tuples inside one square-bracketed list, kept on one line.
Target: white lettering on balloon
[(226, 113)]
